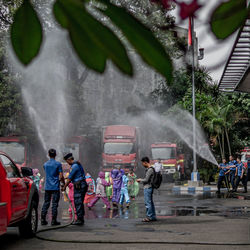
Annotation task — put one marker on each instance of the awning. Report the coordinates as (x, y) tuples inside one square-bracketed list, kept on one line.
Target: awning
[(236, 76)]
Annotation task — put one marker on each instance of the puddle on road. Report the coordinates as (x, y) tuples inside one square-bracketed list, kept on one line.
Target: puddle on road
[(137, 211), (172, 205)]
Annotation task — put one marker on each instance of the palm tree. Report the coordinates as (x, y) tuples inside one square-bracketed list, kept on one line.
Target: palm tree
[(214, 124)]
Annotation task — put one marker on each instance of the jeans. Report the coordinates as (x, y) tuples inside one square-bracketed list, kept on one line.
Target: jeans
[(232, 179), (124, 194), (221, 178), (79, 194), (55, 195), (148, 200)]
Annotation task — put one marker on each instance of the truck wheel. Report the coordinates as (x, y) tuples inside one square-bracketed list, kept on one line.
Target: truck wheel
[(28, 227)]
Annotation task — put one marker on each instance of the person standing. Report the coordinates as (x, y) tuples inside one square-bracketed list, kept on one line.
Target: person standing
[(117, 183), (158, 166), (54, 173), (124, 190), (241, 175), (77, 177), (222, 174), (232, 163), (133, 186), (148, 190), (91, 189), (101, 183)]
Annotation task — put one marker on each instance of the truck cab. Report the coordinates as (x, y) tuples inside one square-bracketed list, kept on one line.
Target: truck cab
[(120, 147), (167, 153)]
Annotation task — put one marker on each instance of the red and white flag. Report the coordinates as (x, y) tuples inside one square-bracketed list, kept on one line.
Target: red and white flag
[(190, 31)]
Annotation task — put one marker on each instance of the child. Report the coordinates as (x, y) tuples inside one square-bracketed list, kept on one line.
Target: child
[(108, 188), (124, 189), (100, 191), (133, 186), (36, 177), (117, 182), (91, 189), (70, 193)]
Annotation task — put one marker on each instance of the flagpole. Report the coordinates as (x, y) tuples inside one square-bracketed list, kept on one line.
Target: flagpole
[(195, 174)]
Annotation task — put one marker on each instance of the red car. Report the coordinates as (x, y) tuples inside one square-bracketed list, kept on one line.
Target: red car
[(18, 198)]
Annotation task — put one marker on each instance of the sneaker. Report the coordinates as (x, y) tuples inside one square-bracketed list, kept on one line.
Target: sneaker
[(78, 222), (55, 223)]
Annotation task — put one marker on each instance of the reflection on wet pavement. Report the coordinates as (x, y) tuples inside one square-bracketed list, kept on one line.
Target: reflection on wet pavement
[(167, 205)]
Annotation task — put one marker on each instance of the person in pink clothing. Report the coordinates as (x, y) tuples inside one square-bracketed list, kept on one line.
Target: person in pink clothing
[(101, 183), (71, 197), (70, 193)]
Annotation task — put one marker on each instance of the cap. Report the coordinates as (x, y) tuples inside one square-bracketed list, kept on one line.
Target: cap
[(68, 156)]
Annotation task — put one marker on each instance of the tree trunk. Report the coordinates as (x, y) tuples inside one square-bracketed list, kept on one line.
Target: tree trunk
[(223, 144), (228, 142), (218, 136)]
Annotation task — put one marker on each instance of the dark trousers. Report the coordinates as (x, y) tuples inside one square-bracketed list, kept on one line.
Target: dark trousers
[(55, 195), (232, 179), (79, 194), (220, 180), (243, 181)]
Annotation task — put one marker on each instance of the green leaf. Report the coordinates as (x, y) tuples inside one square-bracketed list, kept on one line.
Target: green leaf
[(228, 17), (87, 51), (26, 33), (85, 31), (142, 39)]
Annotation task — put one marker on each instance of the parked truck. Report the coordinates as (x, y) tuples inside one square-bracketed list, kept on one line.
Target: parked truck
[(120, 145), (17, 147), (18, 198), (22, 152), (169, 155)]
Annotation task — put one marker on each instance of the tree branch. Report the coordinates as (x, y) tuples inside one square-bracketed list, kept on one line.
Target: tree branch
[(3, 18)]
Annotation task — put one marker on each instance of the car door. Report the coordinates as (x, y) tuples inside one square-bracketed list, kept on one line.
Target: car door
[(19, 190)]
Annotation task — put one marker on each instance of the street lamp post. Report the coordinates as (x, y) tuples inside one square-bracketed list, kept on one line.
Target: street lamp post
[(195, 177)]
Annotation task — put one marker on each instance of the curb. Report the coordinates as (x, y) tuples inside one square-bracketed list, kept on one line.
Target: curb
[(204, 189)]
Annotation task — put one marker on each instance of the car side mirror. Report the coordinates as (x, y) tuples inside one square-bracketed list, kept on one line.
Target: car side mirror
[(26, 171)]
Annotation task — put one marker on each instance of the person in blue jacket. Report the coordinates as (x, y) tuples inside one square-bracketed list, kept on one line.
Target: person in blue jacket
[(124, 189), (241, 174), (53, 176), (77, 177), (223, 167), (232, 163)]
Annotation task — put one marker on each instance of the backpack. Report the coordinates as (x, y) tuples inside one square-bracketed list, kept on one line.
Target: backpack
[(156, 180)]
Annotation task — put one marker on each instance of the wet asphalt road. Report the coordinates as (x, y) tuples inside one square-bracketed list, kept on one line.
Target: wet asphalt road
[(168, 207)]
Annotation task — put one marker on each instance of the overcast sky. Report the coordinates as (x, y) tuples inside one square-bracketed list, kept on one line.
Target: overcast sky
[(216, 52)]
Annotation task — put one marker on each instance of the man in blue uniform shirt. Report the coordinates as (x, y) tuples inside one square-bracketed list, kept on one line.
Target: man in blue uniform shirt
[(54, 173), (241, 175), (222, 174), (77, 177), (232, 163)]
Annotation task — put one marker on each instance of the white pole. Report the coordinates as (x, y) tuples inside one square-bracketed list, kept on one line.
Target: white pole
[(193, 94)]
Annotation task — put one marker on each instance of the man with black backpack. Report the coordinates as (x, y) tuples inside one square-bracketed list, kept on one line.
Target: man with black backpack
[(148, 190)]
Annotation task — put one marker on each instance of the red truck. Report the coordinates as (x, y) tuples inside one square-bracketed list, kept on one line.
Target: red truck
[(18, 198), (120, 147), (169, 155)]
